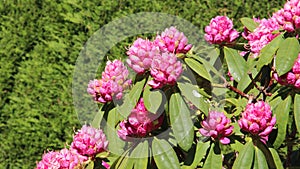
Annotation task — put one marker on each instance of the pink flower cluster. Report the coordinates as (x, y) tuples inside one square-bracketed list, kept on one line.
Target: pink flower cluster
[(220, 30), (141, 54), (257, 119), (289, 16), (262, 35), (159, 57), (292, 77), (217, 126), (140, 122), (165, 69), (171, 40), (89, 141), (86, 144), (114, 81), (287, 19)]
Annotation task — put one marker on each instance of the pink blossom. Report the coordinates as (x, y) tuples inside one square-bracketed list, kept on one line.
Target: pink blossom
[(289, 16), (114, 81), (89, 141), (165, 69), (171, 40), (106, 165), (220, 30), (257, 119), (217, 126), (291, 78), (140, 122), (262, 35), (70, 159), (49, 160), (141, 54), (63, 159)]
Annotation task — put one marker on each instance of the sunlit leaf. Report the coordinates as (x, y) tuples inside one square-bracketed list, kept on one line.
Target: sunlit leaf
[(140, 153), (286, 55), (131, 99), (214, 158), (164, 155), (245, 157), (191, 93), (198, 68), (282, 114), (260, 161), (297, 111), (236, 63), (276, 158), (249, 23), (154, 100), (181, 121)]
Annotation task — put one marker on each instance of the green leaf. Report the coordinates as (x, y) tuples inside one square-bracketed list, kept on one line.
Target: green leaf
[(181, 121), (276, 158), (214, 158), (260, 161), (191, 93), (121, 160), (200, 153), (164, 155), (249, 23), (282, 114), (209, 65), (90, 165), (115, 143), (286, 55), (267, 53), (154, 100), (297, 111), (245, 157), (236, 64), (103, 154), (131, 99), (97, 119), (198, 68), (140, 153)]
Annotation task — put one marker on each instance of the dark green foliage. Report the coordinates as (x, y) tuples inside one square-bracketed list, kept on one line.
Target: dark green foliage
[(40, 41)]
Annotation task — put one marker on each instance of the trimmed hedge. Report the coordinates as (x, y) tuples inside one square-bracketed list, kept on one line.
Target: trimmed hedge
[(39, 44)]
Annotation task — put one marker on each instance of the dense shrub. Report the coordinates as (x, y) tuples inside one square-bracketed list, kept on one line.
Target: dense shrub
[(39, 44)]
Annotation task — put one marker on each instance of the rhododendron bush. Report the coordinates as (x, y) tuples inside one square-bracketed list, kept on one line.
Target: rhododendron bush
[(180, 110)]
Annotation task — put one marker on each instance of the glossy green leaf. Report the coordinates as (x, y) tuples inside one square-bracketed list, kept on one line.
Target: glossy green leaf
[(249, 23), (126, 163), (276, 158), (282, 115), (90, 165), (97, 119), (131, 99), (154, 100), (209, 64), (140, 153), (245, 157), (201, 150), (181, 121), (164, 155), (191, 93), (260, 161), (297, 111), (236, 64), (286, 55), (115, 143), (198, 68), (267, 53), (214, 158), (121, 160)]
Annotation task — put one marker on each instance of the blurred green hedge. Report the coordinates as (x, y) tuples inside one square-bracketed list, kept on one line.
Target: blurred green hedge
[(40, 41)]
